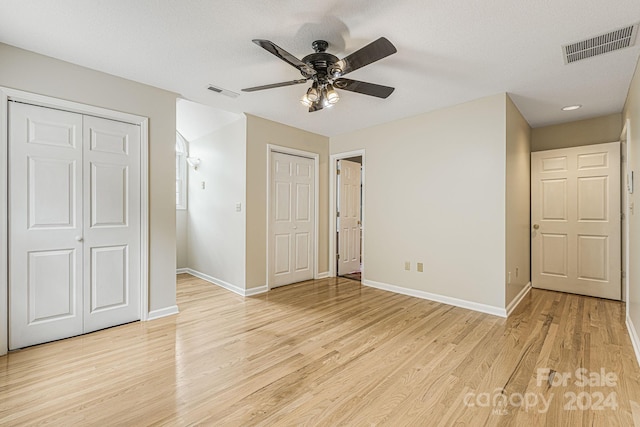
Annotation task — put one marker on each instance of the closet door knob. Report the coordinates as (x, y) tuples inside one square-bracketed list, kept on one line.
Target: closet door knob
[(79, 238)]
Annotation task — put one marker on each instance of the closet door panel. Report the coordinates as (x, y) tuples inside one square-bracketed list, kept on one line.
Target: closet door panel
[(112, 218), (45, 233)]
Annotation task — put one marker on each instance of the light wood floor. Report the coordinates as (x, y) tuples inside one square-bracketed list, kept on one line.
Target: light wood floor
[(329, 352)]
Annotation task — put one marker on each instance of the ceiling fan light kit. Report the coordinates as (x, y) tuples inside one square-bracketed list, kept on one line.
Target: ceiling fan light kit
[(327, 71)]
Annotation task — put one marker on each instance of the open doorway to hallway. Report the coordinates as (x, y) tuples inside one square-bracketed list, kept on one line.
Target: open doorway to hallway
[(349, 195), (210, 193)]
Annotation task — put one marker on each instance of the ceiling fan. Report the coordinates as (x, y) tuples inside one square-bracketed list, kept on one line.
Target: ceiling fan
[(327, 71)]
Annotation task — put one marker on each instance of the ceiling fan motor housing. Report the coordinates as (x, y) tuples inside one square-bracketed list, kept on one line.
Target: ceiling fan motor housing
[(322, 62)]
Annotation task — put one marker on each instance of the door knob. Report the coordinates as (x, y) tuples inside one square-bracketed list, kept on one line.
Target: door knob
[(295, 227), (79, 239), (536, 226)]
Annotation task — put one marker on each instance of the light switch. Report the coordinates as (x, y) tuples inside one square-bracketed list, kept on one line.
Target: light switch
[(238, 207)]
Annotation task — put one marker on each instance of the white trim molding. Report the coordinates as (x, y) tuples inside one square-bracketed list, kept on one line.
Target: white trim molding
[(322, 275), (635, 340), (8, 94), (255, 291), (4, 212), (182, 270), (163, 312), (518, 299), (469, 305), (226, 285)]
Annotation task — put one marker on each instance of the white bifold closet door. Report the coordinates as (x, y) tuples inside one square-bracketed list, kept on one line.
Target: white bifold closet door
[(74, 224), (292, 219)]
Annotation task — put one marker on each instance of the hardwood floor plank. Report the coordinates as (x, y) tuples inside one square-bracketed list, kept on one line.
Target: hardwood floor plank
[(332, 352)]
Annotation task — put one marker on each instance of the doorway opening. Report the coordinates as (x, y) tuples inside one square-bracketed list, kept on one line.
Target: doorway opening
[(348, 219)]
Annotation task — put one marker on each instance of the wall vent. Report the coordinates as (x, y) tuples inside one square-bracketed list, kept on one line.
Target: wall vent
[(223, 91), (599, 45)]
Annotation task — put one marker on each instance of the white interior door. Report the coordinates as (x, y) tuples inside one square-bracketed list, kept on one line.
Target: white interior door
[(292, 221), (45, 216), (575, 212), (72, 268), (349, 219), (112, 223)]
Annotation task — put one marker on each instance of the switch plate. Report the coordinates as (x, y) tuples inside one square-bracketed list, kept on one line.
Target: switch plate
[(420, 267), (202, 185), (407, 265), (238, 207)]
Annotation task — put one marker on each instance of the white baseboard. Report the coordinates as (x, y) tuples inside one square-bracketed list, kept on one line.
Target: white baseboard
[(163, 312), (322, 275), (226, 285), (518, 299), (483, 308), (255, 291), (182, 270), (633, 334)]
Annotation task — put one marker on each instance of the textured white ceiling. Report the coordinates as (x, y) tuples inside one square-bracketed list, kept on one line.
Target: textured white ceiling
[(448, 51)]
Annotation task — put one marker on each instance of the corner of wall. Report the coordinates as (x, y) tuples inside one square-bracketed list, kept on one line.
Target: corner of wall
[(517, 206)]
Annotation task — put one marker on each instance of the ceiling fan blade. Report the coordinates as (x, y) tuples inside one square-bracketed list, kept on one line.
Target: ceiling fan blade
[(285, 56), (372, 52), (274, 85), (365, 88)]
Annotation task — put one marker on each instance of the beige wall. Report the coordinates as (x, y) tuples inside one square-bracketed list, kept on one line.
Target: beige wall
[(573, 134), (216, 231), (261, 132), (28, 71), (518, 235), (435, 193), (631, 113)]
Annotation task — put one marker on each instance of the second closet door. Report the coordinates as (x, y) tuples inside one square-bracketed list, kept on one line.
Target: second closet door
[(111, 199)]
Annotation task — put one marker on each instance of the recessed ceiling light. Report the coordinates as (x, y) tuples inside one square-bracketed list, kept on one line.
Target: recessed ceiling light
[(571, 107)]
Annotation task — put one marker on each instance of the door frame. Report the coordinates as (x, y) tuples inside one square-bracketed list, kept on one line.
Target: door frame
[(333, 181), (624, 199), (8, 94), (316, 197)]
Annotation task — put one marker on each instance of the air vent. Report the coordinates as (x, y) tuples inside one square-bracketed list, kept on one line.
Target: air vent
[(599, 45), (223, 91)]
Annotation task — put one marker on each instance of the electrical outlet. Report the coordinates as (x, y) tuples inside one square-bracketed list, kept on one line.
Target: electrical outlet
[(420, 267), (407, 265), (202, 185)]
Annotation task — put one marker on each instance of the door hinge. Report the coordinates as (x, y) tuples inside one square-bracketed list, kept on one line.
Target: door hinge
[(624, 274), (338, 172), (337, 214), (622, 216), (338, 256)]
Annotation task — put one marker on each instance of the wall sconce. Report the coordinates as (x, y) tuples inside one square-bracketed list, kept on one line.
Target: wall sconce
[(194, 162)]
